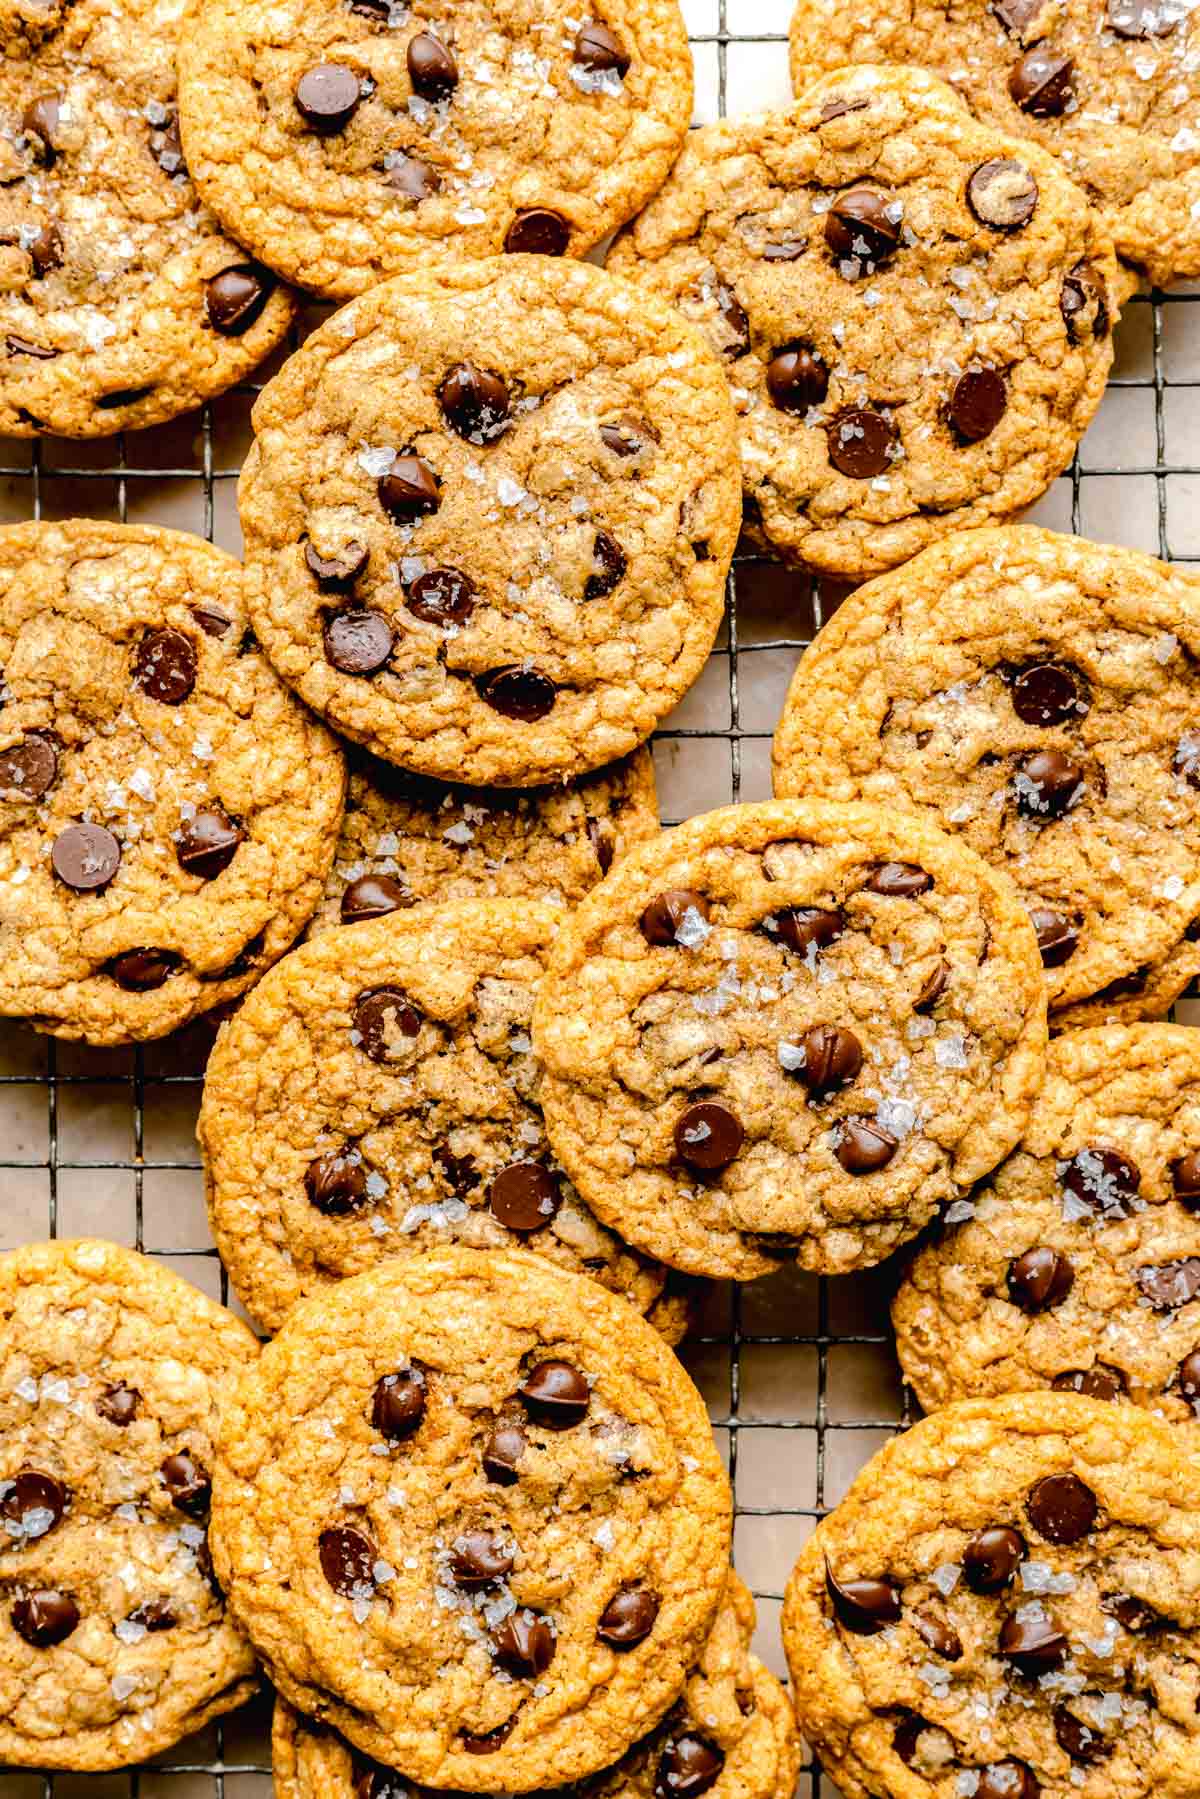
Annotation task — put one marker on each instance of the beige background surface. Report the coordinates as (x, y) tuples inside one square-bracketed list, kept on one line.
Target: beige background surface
[(800, 1375)]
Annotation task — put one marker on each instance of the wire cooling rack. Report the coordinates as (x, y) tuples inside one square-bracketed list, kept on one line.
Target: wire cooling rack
[(799, 1374)]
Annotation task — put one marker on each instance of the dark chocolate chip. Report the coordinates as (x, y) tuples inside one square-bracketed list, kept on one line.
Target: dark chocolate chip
[(555, 1394), (708, 1137), (1048, 784), (860, 442), (358, 641), (28, 768), (336, 1183), (208, 842), (45, 1617), (154, 1614), (802, 928), (1007, 1780), (1016, 15), (737, 324), (142, 970), (348, 1561), (1083, 303), (688, 1766), (1142, 18), (46, 250), (863, 1606), (785, 249), (524, 1644), (119, 1404), (1080, 1741), (41, 122), (858, 228), (337, 573), (1185, 1179), (1189, 1377), (833, 1058), (1097, 1382), (520, 693), (164, 666), (1133, 1613), (838, 108), (625, 437), (978, 401), (899, 880), (797, 379), (475, 403), (600, 837), (410, 489), (234, 299), (459, 1172), (373, 896), (327, 97), (1048, 693), (411, 176), (1187, 761), (1032, 1645), (661, 921), (938, 1635), (478, 1558), (907, 1735), (1169, 1285), (1062, 1508), (22, 346), (1058, 938), (121, 397), (864, 1147), (486, 1744), (538, 232), (524, 1197), (31, 1504), (383, 1017), (1040, 1279), (609, 563), (166, 146), (992, 1557), (935, 985), (188, 1484), (431, 67), (1002, 193), (628, 1618), (398, 1404), (85, 857), (213, 620), (443, 597), (596, 47), (502, 1453), (1043, 82), (1103, 1179)]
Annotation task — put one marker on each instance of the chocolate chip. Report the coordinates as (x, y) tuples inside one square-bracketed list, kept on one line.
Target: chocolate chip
[(1133, 1613), (663, 918), (1048, 693), (858, 227), (832, 1059), (1040, 1279), (1189, 1377), (1032, 1645), (628, 1618), (555, 1394), (708, 1137), (119, 1404), (32, 1503), (520, 693), (410, 489), (1080, 1741), (1058, 938), (601, 839), (1142, 18), (1016, 15), (41, 122), (411, 176), (688, 1766), (235, 297), (899, 880), (213, 620), (864, 1147), (502, 1453), (336, 1183), (358, 641), (46, 250), (1002, 193), (188, 1484), (475, 402), (907, 1735), (803, 927), (609, 563), (208, 842), (164, 666), (22, 346), (443, 597), (166, 147), (1187, 761), (327, 97), (978, 401), (785, 249), (85, 857), (935, 985), (1062, 1508), (863, 1606), (142, 970), (797, 379), (838, 108), (538, 232), (459, 1172), (45, 1617), (596, 47), (737, 324), (382, 1017), (1048, 784), (860, 441), (337, 573), (487, 1744), (1098, 1382), (1103, 1179), (28, 768), (1043, 82), (431, 67), (1083, 303), (121, 397), (938, 1636), (1007, 1780), (477, 1559), (992, 1557), (524, 1644), (398, 1404), (1185, 1180), (1169, 1285), (625, 437), (373, 896), (154, 1614), (524, 1197), (348, 1561)]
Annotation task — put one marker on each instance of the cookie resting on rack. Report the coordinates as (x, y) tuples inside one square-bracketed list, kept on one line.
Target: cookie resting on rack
[(789, 1030), (470, 1511)]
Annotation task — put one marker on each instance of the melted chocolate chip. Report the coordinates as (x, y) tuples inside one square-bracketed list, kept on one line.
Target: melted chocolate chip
[(860, 442), (1048, 784), (164, 666), (992, 1557), (935, 985), (45, 1617), (187, 1483), (32, 1503), (838, 108), (1189, 1378), (524, 1197), (865, 1147), (1032, 1645), (785, 249), (737, 324), (384, 1016), (459, 1172), (443, 597), (208, 842), (154, 1614), (327, 97), (1187, 761), (1003, 194), (1098, 1382), (1133, 1613), (41, 123), (1080, 1741), (523, 694), (797, 379), (1170, 1285), (665, 915), (626, 437), (336, 1183), (234, 298), (142, 970), (688, 1766), (833, 1058), (1016, 15), (398, 1404), (803, 927), (907, 1735), (708, 1137), (410, 489), (28, 769), (600, 837), (1043, 82), (863, 1606), (858, 227), (1142, 18), (1102, 1179), (489, 1742), (938, 1635), (213, 620), (85, 857), (23, 346), (1040, 1279), (524, 1644), (596, 47), (373, 896), (1049, 693), (475, 403), (1058, 938), (119, 1404), (628, 1618), (1083, 303), (411, 176), (502, 1454), (555, 1395), (358, 641), (1062, 1508), (1185, 1179), (478, 1559), (431, 67), (978, 401), (899, 880), (1007, 1780), (609, 563), (337, 574), (348, 1561), (538, 232)]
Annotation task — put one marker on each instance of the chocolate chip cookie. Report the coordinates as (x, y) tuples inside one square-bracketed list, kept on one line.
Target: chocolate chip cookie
[(1077, 1265), (1110, 89), (732, 1733), (122, 302), (913, 308), (357, 139), (1005, 1606), (378, 1093), (789, 1030), (405, 839), (114, 1641), (488, 517), (470, 1511), (168, 813), (1038, 695)]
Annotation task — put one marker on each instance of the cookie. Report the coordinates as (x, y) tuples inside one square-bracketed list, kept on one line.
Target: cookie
[(1147, 994), (377, 1094), (405, 839), (470, 1511), (114, 1640), (1038, 695), (488, 517), (168, 813), (349, 143), (122, 302), (1108, 89), (914, 311), (732, 1734), (789, 1030), (1005, 1606), (1077, 1266)]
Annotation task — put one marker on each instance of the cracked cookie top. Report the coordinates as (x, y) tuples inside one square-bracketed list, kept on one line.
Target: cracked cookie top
[(913, 308), (114, 1641), (167, 811), (488, 517), (122, 303), (1005, 1606), (790, 1029), (351, 140), (470, 1511)]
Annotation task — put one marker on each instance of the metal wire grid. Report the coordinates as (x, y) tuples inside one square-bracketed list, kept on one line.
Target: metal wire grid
[(788, 1359)]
